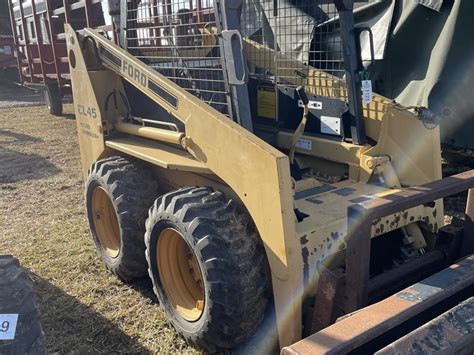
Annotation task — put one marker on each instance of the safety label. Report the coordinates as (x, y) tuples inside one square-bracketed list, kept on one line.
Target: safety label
[(266, 102)]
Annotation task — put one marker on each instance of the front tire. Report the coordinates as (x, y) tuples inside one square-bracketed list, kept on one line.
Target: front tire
[(207, 267), (119, 192)]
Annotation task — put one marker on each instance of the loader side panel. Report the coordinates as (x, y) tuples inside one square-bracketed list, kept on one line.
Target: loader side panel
[(258, 173)]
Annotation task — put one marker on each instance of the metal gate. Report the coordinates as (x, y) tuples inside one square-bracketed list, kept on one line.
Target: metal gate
[(294, 43), (180, 39)]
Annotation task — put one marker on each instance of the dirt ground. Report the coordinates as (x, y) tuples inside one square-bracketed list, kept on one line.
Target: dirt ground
[(83, 308)]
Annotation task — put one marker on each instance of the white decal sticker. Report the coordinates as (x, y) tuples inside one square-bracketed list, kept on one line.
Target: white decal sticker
[(304, 144), (366, 92), (331, 125), (315, 105)]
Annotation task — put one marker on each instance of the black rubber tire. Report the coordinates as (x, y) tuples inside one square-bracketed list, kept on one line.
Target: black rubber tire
[(131, 187), (231, 261), (16, 297), (53, 100)]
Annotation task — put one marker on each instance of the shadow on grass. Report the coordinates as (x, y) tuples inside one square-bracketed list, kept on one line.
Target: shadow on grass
[(264, 339), (145, 287), (7, 136), (16, 166), (71, 326), (68, 116)]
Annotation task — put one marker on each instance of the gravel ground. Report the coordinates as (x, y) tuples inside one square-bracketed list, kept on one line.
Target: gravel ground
[(13, 95), (83, 308)]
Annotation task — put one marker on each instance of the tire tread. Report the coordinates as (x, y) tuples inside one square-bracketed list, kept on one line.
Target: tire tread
[(233, 259), (132, 188)]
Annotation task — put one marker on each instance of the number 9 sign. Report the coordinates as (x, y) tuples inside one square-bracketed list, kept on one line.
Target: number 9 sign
[(5, 326), (8, 326)]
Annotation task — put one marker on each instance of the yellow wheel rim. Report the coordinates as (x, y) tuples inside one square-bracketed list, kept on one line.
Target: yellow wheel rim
[(105, 222), (180, 274)]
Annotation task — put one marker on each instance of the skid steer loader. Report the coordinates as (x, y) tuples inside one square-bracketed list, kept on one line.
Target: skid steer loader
[(235, 152)]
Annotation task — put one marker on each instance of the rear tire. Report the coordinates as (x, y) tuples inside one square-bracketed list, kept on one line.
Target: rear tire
[(119, 192), (16, 297), (53, 100), (218, 241)]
